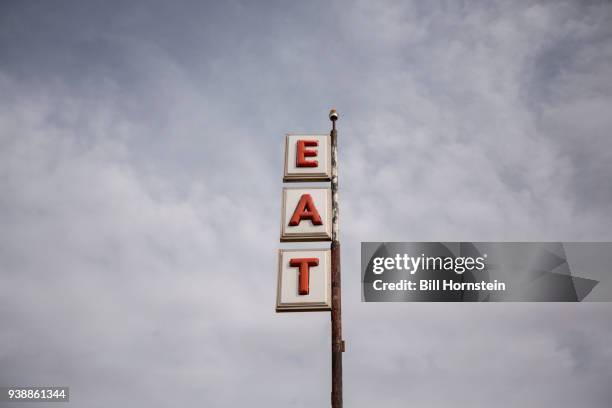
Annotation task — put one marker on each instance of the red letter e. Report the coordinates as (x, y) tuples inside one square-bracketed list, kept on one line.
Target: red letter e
[(302, 153)]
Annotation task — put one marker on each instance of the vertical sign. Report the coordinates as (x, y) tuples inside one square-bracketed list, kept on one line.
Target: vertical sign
[(309, 279), (304, 276)]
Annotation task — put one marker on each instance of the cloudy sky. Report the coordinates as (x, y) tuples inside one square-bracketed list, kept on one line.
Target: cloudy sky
[(140, 181)]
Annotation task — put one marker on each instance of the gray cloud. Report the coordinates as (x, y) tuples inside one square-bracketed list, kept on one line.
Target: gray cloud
[(140, 176)]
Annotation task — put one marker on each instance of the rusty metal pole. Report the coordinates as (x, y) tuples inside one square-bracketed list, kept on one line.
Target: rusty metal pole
[(337, 344)]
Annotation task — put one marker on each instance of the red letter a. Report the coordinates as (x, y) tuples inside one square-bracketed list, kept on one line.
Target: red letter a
[(305, 210), (304, 264)]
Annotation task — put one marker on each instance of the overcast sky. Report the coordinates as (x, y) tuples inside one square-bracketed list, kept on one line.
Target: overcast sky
[(140, 182)]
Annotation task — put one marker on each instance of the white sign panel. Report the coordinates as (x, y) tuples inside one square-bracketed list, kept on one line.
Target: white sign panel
[(307, 158), (306, 214), (304, 280)]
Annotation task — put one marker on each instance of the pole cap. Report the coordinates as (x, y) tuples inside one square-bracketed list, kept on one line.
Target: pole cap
[(333, 115)]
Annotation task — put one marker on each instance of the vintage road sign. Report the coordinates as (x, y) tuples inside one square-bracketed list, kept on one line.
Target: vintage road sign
[(309, 279), (306, 214), (304, 280), (307, 158)]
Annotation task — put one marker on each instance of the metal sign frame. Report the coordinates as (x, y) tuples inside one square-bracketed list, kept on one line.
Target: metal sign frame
[(308, 176), (325, 235), (324, 306)]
